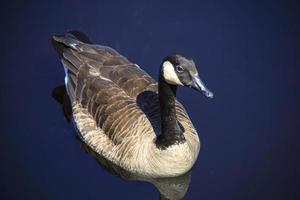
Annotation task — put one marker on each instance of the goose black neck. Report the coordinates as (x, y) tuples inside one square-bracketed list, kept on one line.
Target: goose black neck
[(171, 133)]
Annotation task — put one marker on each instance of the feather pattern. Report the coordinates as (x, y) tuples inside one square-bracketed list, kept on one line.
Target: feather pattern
[(116, 110)]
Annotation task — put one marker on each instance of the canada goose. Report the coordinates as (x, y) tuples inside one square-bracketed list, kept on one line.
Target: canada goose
[(118, 109)]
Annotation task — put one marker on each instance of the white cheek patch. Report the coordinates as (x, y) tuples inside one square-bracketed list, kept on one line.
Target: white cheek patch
[(169, 74)]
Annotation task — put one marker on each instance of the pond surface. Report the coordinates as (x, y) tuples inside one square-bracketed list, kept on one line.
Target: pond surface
[(247, 54)]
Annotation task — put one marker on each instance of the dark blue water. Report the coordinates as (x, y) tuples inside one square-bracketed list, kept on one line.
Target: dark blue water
[(247, 54)]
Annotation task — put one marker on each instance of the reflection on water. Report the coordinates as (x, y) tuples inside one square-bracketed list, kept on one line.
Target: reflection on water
[(173, 188)]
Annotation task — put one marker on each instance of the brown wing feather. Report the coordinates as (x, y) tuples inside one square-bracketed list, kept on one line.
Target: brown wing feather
[(116, 92), (113, 110)]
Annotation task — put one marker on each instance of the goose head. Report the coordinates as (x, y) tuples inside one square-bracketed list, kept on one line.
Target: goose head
[(180, 71)]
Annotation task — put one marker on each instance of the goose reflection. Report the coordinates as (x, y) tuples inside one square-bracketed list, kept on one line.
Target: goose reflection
[(173, 188)]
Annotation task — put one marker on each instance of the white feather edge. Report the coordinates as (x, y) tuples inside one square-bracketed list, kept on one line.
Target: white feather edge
[(66, 79)]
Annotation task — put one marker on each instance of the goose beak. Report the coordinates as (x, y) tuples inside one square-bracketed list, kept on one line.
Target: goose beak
[(198, 85)]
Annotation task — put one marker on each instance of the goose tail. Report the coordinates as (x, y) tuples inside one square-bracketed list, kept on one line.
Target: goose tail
[(68, 40), (67, 46)]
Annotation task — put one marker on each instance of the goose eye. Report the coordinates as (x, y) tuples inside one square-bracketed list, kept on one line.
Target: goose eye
[(179, 69)]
